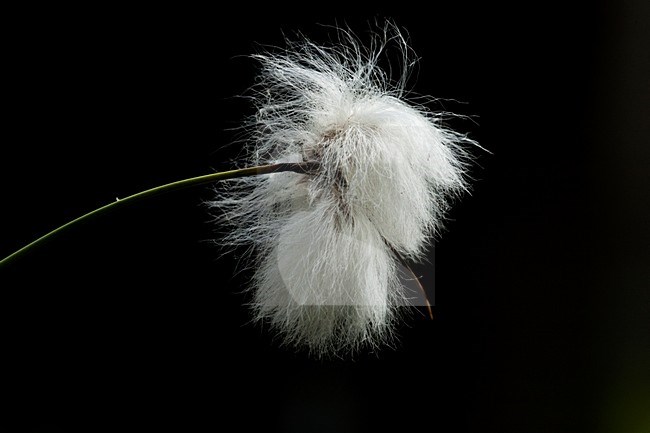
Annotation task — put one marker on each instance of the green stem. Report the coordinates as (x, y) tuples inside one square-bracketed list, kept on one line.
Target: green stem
[(194, 181)]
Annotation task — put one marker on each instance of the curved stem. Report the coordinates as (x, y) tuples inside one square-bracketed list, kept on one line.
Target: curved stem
[(194, 181)]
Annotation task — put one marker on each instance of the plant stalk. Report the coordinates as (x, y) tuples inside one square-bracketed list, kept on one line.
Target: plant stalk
[(304, 168)]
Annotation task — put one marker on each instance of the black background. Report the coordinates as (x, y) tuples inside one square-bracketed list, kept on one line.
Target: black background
[(132, 322)]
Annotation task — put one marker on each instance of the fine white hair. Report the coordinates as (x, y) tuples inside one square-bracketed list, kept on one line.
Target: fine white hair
[(325, 246)]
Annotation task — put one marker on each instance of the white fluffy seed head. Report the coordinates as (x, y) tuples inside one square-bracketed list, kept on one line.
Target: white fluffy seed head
[(326, 246)]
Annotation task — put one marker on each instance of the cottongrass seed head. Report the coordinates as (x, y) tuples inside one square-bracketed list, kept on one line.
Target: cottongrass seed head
[(325, 246)]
